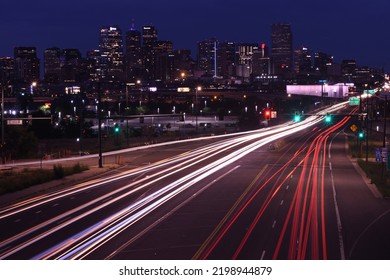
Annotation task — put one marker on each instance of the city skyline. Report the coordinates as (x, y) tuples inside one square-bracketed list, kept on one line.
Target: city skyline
[(335, 29)]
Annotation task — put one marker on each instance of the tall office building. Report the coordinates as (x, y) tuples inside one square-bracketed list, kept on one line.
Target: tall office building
[(111, 51), (282, 54), (52, 65), (182, 63), (6, 70), (149, 42), (322, 61), (149, 36), (261, 62), (207, 56), (302, 61), (226, 59), (71, 65), (348, 69), (164, 61), (245, 53), (26, 67), (133, 54), (93, 68)]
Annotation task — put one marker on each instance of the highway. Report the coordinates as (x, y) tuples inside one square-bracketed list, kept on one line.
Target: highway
[(275, 193)]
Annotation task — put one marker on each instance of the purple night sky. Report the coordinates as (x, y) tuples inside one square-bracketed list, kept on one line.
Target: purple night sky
[(356, 29)]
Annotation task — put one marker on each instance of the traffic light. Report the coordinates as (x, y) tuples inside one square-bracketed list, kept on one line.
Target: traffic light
[(267, 115), (361, 134), (297, 117), (116, 128), (328, 118)]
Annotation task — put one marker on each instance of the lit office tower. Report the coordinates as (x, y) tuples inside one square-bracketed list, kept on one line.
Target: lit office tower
[(182, 63), (26, 68), (322, 61), (93, 69), (133, 54), (226, 59), (52, 65), (149, 42), (245, 58), (261, 64), (70, 65), (6, 70), (111, 51), (282, 48), (164, 61), (302, 61), (207, 56)]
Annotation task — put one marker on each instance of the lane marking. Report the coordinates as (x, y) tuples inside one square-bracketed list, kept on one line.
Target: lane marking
[(262, 255), (336, 207), (136, 237), (218, 228)]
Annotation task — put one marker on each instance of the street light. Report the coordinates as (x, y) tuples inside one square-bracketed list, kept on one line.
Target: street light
[(33, 85), (199, 88), (2, 125)]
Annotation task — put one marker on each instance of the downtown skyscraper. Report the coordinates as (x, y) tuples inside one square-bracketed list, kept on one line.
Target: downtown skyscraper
[(111, 51), (134, 65), (282, 49), (149, 43), (26, 69)]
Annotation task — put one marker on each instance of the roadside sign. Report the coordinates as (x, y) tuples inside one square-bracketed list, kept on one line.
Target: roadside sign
[(14, 122), (378, 157), (354, 128), (369, 91), (354, 101), (384, 154)]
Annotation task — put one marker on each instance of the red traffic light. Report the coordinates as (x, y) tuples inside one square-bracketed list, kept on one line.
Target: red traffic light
[(267, 115)]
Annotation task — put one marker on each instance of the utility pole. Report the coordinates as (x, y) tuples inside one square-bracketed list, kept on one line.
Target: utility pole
[(385, 123), (100, 125), (2, 125), (367, 130)]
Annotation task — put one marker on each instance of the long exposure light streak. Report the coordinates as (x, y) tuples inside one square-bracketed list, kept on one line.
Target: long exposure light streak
[(79, 245)]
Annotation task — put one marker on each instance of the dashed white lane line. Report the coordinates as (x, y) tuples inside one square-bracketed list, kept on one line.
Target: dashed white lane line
[(262, 255)]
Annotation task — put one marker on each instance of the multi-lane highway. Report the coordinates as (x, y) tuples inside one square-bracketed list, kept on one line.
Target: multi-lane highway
[(285, 192)]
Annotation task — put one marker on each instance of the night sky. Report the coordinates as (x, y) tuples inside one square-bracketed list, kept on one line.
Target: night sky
[(356, 29)]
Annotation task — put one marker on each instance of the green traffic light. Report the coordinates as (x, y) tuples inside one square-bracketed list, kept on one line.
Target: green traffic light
[(116, 128), (328, 119), (361, 135), (297, 118)]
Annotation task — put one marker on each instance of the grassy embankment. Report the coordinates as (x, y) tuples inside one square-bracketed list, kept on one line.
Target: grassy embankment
[(376, 171), (11, 181)]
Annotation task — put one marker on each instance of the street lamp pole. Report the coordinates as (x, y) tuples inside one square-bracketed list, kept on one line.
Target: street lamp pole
[(385, 123), (196, 107), (100, 126), (2, 124)]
